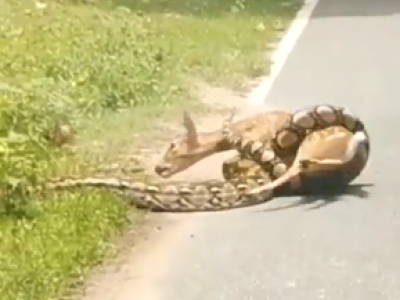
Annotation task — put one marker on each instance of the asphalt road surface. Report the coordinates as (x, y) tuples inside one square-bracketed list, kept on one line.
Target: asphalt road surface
[(342, 248)]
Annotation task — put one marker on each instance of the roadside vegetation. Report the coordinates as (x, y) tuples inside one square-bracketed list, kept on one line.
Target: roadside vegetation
[(94, 65)]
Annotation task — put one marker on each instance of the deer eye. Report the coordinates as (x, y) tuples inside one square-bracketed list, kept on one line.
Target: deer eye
[(172, 146), (175, 143)]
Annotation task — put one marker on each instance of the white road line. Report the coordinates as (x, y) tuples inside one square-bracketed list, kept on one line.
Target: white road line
[(281, 53)]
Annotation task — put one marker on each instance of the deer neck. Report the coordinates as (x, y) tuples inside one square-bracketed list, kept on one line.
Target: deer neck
[(212, 143), (215, 142)]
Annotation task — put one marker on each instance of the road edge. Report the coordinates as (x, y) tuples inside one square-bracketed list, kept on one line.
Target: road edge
[(282, 51)]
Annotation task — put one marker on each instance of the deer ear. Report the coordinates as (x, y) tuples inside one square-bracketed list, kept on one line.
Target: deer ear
[(191, 130)]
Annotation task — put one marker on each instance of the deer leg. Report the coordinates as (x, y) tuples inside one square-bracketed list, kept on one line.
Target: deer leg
[(324, 162), (294, 171)]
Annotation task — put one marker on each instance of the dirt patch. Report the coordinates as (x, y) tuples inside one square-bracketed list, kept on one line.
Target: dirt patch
[(143, 148)]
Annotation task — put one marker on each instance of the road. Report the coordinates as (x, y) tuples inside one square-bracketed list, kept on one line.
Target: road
[(349, 54), (342, 248)]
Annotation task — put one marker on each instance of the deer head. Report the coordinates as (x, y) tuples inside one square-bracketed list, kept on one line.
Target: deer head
[(189, 148)]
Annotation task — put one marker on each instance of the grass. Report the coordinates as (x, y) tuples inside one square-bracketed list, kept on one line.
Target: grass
[(111, 68), (46, 255)]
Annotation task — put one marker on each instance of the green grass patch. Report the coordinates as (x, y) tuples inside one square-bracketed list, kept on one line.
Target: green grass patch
[(111, 68), (49, 250)]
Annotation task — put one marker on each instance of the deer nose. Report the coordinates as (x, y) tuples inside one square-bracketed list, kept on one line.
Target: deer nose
[(162, 169)]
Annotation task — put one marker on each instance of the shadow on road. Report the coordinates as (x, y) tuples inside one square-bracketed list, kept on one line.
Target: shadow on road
[(357, 190)]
